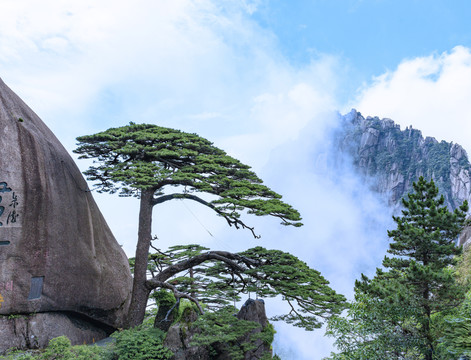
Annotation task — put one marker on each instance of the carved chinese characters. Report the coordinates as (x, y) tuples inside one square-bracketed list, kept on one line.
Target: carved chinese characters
[(9, 212)]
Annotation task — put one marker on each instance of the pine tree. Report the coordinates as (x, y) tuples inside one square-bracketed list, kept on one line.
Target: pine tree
[(416, 283), (147, 161), (424, 248), (158, 164)]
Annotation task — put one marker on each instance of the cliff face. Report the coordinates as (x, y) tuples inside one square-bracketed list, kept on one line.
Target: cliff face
[(61, 269), (391, 159)]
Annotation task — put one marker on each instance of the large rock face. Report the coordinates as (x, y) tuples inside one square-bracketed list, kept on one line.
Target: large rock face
[(34, 331), (57, 254), (391, 159), (254, 310), (179, 337)]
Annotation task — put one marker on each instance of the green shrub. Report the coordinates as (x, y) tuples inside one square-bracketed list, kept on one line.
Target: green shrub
[(84, 352), (141, 344), (18, 355), (185, 307), (59, 348), (267, 335), (164, 298)]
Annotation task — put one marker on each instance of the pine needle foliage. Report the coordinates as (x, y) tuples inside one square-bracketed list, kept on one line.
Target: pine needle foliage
[(141, 344), (149, 161), (308, 294), (456, 339), (223, 330), (416, 283), (145, 156), (221, 280)]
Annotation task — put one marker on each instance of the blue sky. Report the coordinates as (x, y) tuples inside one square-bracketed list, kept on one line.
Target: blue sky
[(373, 35), (370, 37), (263, 80)]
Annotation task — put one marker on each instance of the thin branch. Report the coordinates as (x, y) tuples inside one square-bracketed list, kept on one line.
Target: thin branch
[(178, 294), (230, 259), (293, 310), (231, 220), (239, 264), (177, 304)]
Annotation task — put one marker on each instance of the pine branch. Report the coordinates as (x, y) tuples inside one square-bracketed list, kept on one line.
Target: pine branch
[(231, 220)]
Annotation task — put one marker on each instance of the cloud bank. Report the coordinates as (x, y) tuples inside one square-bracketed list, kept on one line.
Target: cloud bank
[(202, 67), (198, 65), (430, 93), (207, 67)]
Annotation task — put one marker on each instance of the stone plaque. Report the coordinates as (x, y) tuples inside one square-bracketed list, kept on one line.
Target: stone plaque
[(36, 287)]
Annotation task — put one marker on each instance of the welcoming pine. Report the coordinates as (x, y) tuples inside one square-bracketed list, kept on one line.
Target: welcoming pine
[(147, 161)]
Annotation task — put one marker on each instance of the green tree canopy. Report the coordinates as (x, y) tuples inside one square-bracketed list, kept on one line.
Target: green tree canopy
[(217, 278), (139, 157), (416, 283), (149, 161)]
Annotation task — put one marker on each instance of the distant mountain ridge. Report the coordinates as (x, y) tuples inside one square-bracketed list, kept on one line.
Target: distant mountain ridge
[(391, 159)]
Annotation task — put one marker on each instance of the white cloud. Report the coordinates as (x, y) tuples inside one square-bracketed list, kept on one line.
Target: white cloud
[(344, 232), (77, 50), (201, 66), (430, 93), (291, 100)]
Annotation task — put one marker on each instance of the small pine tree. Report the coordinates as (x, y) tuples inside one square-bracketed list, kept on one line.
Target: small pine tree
[(424, 248), (417, 282)]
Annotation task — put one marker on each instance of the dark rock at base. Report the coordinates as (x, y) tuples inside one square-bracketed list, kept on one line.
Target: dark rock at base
[(254, 310), (165, 316), (465, 238), (34, 331), (179, 336)]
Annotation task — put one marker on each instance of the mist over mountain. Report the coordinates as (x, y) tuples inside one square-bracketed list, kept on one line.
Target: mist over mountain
[(390, 159)]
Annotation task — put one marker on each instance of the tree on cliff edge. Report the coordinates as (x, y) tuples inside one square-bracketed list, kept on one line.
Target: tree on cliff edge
[(147, 161)]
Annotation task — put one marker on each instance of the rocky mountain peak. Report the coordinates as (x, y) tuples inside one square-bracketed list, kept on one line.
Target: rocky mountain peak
[(391, 159)]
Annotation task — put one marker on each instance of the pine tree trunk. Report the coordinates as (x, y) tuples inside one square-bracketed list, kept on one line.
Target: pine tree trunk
[(428, 316), (140, 293)]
